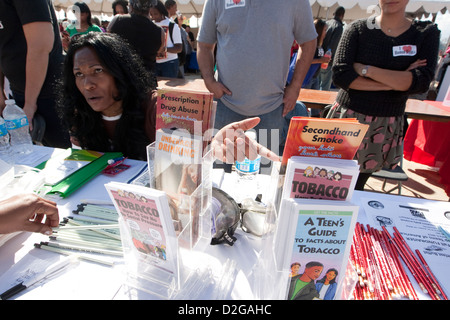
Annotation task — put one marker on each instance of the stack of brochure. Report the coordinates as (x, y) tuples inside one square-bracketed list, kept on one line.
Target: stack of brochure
[(312, 247), (318, 178), (316, 218), (323, 138)]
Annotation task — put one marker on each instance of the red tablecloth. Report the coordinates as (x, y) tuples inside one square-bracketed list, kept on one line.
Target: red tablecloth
[(428, 143)]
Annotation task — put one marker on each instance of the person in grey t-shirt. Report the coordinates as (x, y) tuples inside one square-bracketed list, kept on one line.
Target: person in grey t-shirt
[(253, 39)]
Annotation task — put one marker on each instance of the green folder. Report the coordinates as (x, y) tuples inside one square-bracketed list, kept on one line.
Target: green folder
[(78, 178)]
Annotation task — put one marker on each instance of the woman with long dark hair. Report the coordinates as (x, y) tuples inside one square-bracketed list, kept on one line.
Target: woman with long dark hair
[(107, 100), (120, 7), (327, 285)]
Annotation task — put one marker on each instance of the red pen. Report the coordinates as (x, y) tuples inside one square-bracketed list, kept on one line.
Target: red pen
[(383, 264), (425, 285), (431, 274), (396, 254), (399, 285), (381, 272), (416, 264)]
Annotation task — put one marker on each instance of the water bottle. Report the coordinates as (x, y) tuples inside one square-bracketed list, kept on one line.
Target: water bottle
[(327, 55), (5, 148), (18, 128), (248, 169)]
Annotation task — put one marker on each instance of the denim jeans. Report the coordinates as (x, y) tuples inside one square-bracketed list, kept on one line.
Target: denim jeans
[(314, 84), (325, 78), (167, 69)]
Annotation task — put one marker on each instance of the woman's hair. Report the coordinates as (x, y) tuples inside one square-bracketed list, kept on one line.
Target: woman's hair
[(123, 3), (169, 3), (325, 276), (133, 86), (161, 8), (142, 6), (319, 24), (85, 8)]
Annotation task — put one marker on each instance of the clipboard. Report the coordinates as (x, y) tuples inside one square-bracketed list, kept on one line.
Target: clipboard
[(74, 180)]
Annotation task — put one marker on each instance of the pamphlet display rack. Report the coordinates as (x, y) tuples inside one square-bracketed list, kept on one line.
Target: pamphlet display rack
[(196, 206), (270, 277), (190, 226), (267, 277)]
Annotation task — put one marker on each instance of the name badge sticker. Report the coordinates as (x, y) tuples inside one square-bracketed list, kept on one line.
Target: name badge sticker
[(404, 50), (229, 4)]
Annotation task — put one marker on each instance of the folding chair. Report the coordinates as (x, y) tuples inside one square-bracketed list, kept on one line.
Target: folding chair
[(396, 174)]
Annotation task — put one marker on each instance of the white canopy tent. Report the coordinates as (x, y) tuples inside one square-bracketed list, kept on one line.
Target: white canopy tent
[(356, 9), (324, 9), (103, 8)]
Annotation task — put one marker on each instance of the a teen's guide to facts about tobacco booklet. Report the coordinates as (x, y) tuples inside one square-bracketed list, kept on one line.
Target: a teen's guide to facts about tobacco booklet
[(315, 235)]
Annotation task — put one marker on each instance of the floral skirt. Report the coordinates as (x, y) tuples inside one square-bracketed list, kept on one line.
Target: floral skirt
[(382, 146)]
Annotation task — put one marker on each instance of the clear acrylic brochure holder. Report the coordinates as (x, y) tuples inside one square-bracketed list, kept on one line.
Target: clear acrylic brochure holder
[(142, 274), (270, 281)]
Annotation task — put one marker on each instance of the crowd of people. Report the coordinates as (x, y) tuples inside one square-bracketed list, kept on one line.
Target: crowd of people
[(95, 87)]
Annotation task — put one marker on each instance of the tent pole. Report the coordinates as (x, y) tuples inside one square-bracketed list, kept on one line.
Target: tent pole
[(193, 7), (434, 15)]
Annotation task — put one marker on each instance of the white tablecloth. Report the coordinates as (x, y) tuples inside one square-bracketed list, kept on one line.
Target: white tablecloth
[(233, 268)]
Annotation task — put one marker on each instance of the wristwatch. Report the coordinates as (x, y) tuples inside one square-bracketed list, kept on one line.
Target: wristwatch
[(364, 71)]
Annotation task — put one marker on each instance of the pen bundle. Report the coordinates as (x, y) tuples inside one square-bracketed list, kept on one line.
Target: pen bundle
[(92, 233), (417, 266), (377, 256), (95, 214), (381, 275)]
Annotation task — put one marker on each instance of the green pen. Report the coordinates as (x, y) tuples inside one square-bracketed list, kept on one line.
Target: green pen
[(444, 232), (79, 255), (82, 248)]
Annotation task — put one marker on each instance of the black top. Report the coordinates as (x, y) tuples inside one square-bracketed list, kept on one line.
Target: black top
[(141, 33), (364, 43), (13, 46)]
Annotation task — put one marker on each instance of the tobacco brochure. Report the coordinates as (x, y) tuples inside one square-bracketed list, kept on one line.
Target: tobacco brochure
[(312, 246), (323, 138), (184, 109), (319, 178), (145, 213)]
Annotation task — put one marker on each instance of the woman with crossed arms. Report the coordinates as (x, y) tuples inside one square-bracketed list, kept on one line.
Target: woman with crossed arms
[(379, 62)]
